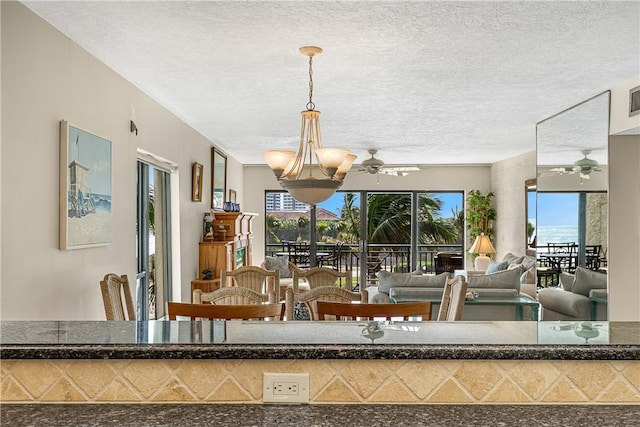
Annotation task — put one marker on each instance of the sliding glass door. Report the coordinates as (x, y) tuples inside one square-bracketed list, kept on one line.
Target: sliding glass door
[(153, 249)]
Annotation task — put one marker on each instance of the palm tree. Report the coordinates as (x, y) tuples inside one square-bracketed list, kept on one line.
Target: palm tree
[(273, 224)]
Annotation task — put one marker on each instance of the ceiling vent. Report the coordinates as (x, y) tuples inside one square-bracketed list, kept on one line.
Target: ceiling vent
[(634, 101)]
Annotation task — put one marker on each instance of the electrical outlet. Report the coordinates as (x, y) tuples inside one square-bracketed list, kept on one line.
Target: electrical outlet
[(285, 388)]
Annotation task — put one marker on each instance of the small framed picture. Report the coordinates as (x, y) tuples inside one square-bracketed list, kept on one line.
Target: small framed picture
[(232, 196), (196, 182)]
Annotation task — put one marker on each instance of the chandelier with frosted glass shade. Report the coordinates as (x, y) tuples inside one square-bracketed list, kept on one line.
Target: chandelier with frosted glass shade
[(315, 172)]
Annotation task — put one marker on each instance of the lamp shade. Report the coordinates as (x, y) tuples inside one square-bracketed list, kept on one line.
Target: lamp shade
[(482, 245)]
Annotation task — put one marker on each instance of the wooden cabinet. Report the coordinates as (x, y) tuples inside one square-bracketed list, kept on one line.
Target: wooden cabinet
[(233, 247)]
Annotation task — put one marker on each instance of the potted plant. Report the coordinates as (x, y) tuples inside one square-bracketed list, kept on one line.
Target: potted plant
[(480, 214)]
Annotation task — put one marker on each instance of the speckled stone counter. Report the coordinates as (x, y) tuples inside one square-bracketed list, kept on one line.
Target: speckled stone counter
[(321, 340), (318, 415), (430, 363)]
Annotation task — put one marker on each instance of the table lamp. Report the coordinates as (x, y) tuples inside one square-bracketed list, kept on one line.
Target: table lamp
[(482, 246)]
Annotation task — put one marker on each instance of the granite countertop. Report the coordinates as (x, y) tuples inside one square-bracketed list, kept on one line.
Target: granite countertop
[(319, 415), (319, 340)]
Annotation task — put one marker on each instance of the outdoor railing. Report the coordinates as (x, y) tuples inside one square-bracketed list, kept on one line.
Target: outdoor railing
[(388, 257)]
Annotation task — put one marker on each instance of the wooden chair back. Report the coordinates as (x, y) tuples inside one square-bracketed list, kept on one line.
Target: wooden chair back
[(114, 289), (229, 295), (322, 276), (218, 311), (453, 297), (348, 311), (257, 279), (311, 297)]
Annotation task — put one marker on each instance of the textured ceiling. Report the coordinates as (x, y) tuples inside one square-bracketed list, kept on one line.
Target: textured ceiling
[(424, 82)]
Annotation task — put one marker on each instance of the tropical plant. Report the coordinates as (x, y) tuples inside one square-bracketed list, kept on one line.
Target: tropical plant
[(273, 224), (480, 213)]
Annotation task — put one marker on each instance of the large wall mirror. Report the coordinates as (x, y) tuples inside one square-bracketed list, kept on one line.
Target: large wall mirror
[(572, 184)]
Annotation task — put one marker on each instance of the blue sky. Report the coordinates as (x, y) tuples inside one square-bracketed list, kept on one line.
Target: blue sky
[(554, 208), (450, 201)]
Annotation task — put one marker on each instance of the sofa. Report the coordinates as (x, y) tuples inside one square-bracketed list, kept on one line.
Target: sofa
[(574, 298), (418, 286)]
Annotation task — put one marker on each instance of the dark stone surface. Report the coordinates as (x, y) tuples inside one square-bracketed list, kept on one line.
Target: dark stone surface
[(319, 340), (318, 415)]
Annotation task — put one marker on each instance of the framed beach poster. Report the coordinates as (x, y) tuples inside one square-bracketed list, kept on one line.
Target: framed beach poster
[(218, 179), (196, 182), (85, 188)]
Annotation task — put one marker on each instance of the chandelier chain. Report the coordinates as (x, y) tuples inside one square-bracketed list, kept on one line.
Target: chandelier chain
[(310, 104)]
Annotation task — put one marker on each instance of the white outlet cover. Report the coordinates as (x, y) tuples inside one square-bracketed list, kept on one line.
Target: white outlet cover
[(272, 379)]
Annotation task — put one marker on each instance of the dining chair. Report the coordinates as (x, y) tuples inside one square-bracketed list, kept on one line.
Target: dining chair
[(257, 279), (274, 311), (322, 276), (348, 311), (311, 297), (453, 297), (114, 289), (230, 295)]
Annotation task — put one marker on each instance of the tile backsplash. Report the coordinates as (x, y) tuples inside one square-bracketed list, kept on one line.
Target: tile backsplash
[(331, 381)]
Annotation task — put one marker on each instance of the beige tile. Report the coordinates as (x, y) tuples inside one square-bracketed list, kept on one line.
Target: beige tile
[(632, 373), (230, 391), (10, 391), (173, 391), (392, 392), (249, 375), (620, 392), (146, 376), (478, 378), (449, 392), (422, 377), (119, 391), (365, 378), (320, 374), (507, 392), (36, 376), (591, 377), (201, 376), (337, 392), (535, 378), (63, 391), (90, 376), (564, 391)]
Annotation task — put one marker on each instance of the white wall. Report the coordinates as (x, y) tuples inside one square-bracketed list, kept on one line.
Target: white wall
[(258, 179), (508, 183), (45, 78)]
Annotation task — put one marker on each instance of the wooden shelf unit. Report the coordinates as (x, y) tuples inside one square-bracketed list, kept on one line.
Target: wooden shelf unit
[(234, 248)]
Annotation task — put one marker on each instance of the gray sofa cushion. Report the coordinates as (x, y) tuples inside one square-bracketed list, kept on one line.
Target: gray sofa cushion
[(587, 280), (512, 259), (387, 280), (568, 304), (507, 279)]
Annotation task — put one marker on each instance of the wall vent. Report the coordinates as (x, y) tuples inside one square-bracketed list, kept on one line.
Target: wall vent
[(634, 101)]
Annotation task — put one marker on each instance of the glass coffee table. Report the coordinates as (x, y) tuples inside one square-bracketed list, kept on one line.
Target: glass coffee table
[(519, 302)]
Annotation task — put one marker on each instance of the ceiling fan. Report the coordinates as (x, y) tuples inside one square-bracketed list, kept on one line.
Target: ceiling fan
[(584, 167), (376, 166)]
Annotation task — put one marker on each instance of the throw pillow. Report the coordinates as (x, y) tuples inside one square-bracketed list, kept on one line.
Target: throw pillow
[(280, 263), (567, 280), (587, 280), (512, 259), (300, 311), (496, 266), (506, 279), (387, 280)]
